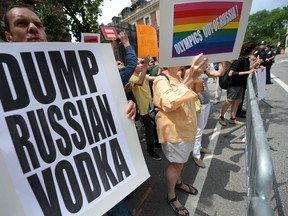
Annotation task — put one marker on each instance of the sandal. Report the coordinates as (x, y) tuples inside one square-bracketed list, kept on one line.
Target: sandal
[(192, 190), (177, 210)]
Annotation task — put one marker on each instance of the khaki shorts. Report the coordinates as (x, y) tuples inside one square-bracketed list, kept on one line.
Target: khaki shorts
[(177, 152)]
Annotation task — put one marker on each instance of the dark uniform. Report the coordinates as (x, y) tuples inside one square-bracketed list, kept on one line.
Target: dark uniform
[(261, 53), (269, 62)]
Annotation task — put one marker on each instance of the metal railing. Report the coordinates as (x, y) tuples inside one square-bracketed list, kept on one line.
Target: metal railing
[(258, 159)]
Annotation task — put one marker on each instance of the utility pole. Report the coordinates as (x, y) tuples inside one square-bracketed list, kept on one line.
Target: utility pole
[(286, 37), (278, 41)]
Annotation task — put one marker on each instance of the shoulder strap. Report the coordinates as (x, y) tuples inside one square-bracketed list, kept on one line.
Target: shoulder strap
[(162, 74)]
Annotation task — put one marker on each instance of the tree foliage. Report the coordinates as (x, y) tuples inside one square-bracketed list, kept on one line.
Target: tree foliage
[(62, 17), (268, 26), (83, 15)]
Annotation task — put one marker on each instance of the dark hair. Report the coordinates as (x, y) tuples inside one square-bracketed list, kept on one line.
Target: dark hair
[(5, 18), (247, 48)]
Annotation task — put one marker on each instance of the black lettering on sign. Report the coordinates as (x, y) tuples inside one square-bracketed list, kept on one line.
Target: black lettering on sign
[(68, 74), (10, 102), (85, 122), (69, 187), (47, 199), (90, 68), (103, 166), (87, 172), (106, 115), (20, 136), (95, 120), (49, 95), (119, 160), (69, 112), (37, 130), (55, 115)]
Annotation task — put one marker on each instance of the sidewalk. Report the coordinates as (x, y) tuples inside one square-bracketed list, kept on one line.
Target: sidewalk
[(221, 185)]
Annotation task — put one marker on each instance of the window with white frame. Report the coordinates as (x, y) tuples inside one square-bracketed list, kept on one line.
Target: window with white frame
[(147, 20)]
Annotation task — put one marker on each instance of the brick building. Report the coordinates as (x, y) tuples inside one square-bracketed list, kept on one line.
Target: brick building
[(140, 12)]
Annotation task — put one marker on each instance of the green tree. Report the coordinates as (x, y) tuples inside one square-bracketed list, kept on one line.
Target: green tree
[(268, 26), (83, 15)]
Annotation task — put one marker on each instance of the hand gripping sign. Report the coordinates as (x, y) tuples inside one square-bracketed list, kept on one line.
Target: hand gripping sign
[(214, 28)]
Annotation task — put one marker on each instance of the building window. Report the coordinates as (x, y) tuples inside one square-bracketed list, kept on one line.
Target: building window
[(147, 20)]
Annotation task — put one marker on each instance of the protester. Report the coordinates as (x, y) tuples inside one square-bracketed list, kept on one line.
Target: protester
[(23, 25), (202, 116), (126, 70), (238, 74), (176, 125), (155, 69), (218, 90), (120, 65), (142, 94)]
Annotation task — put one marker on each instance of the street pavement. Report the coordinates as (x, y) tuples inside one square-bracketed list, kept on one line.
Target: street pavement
[(222, 184)]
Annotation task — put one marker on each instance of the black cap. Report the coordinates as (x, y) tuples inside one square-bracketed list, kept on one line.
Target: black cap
[(262, 43)]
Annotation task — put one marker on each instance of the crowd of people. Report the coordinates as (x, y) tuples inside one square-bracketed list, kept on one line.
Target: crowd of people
[(171, 93)]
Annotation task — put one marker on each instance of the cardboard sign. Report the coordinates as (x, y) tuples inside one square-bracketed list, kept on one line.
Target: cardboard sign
[(214, 28), (90, 38), (67, 147), (147, 41), (109, 33)]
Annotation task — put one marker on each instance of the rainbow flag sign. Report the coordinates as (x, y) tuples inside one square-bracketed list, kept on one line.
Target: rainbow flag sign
[(214, 28)]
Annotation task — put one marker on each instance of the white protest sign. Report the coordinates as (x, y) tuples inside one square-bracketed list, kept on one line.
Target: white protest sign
[(191, 27), (67, 147), (261, 82)]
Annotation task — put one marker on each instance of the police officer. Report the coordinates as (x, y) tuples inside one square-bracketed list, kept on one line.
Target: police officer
[(270, 56), (261, 54)]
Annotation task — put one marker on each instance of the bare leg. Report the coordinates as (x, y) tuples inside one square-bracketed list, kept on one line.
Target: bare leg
[(173, 173), (225, 107), (234, 108)]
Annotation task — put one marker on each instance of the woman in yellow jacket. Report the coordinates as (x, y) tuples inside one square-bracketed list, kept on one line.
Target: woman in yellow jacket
[(176, 124)]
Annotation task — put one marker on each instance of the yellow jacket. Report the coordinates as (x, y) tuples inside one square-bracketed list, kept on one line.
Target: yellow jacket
[(176, 119)]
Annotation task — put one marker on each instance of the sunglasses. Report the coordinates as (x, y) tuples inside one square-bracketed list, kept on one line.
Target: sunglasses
[(119, 63)]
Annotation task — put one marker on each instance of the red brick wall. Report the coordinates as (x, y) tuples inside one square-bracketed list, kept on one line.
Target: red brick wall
[(140, 21), (153, 19)]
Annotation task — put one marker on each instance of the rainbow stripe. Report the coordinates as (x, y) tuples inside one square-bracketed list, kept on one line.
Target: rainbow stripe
[(192, 17)]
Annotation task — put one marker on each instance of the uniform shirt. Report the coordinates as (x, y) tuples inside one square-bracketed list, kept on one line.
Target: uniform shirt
[(142, 94), (176, 119), (262, 55), (269, 54)]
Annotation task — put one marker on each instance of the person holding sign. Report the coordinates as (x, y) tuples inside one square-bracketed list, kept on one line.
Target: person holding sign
[(127, 70), (201, 88), (142, 94), (177, 124), (23, 25)]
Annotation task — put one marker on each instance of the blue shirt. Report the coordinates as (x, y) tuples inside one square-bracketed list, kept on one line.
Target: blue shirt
[(130, 65)]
